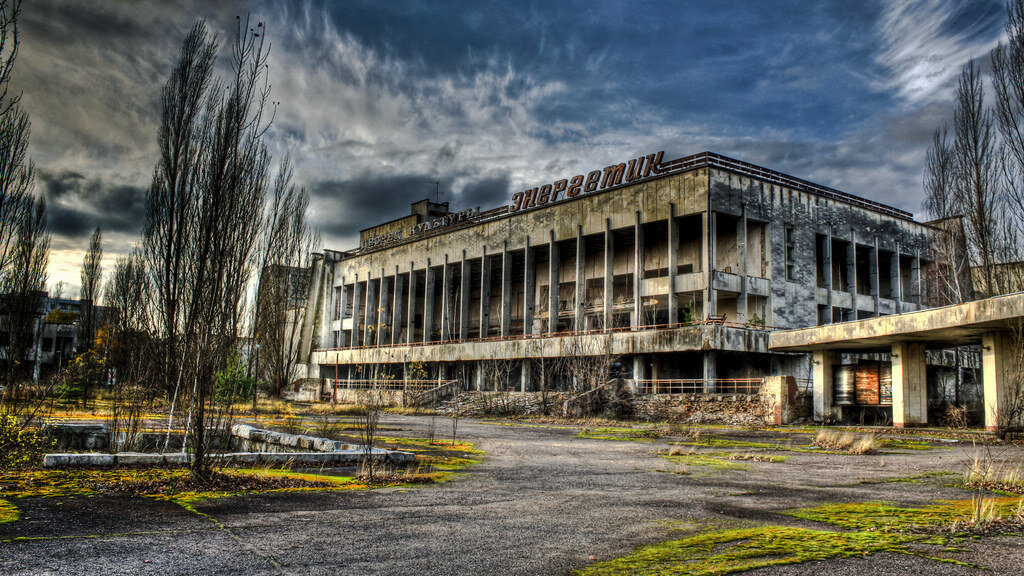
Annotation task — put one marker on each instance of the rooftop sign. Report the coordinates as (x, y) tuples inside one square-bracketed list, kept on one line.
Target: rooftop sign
[(637, 169)]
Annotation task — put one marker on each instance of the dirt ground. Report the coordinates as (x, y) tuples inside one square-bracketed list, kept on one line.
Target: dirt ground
[(542, 501)]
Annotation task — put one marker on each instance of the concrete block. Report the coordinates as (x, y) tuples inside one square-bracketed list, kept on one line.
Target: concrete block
[(306, 442), (400, 457), (138, 458), (242, 431), (177, 458)]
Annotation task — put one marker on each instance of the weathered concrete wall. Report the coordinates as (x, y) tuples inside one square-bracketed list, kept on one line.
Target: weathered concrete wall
[(688, 338)]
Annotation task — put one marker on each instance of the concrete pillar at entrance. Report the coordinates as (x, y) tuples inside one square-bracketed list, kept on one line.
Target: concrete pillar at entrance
[(821, 377), (995, 359), (710, 370), (370, 315), (909, 385), (639, 373), (526, 374)]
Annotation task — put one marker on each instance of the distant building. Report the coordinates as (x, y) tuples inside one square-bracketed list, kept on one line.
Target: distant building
[(684, 265), (54, 337)]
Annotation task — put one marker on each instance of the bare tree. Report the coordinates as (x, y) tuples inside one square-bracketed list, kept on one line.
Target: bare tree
[(203, 216), (950, 283), (23, 286), (976, 186), (92, 278), (284, 255), (9, 43)]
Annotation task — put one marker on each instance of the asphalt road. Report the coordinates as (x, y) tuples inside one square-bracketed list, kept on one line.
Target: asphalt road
[(542, 502)]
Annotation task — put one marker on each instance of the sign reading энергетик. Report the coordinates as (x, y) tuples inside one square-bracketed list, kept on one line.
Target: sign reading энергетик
[(637, 169)]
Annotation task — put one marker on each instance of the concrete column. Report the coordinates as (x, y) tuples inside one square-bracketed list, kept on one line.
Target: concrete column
[(637, 318), (710, 370), (827, 272), (410, 322), (506, 292), (609, 273), (581, 280), (485, 295), (447, 306), (741, 251), (529, 288), (357, 301), (370, 316), (821, 378), (851, 269), (639, 373), (478, 376), (673, 264), (397, 308), (526, 377), (384, 309), (430, 278), (996, 359), (554, 284), (915, 279), (709, 222), (875, 274), (342, 305), (909, 385), (464, 298), (896, 279)]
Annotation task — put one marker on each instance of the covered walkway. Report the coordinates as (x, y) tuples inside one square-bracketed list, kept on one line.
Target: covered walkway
[(991, 323)]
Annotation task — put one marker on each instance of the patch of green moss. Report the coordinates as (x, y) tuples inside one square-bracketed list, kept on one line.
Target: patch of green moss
[(905, 444), (708, 461), (8, 512), (884, 516), (738, 550)]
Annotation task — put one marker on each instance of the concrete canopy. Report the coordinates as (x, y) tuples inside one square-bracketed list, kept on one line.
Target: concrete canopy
[(953, 325)]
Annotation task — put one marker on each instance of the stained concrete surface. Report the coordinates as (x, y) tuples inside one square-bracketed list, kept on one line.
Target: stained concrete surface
[(541, 502)]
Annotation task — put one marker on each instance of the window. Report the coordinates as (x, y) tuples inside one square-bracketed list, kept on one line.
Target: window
[(790, 254)]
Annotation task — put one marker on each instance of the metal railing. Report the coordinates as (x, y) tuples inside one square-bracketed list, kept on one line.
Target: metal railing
[(700, 386)]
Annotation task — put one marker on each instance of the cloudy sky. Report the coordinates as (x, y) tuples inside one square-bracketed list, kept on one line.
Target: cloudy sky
[(378, 99)]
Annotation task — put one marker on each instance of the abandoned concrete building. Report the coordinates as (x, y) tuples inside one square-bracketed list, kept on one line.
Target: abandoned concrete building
[(677, 268)]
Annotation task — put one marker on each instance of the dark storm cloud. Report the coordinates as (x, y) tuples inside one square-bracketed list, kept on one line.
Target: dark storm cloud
[(377, 99), (77, 204), (343, 208), (489, 192)]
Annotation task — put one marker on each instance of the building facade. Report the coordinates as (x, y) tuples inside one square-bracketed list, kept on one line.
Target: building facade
[(678, 269)]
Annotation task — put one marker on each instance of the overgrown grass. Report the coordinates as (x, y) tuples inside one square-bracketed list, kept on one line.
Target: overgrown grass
[(984, 473), (8, 512), (876, 527), (846, 442)]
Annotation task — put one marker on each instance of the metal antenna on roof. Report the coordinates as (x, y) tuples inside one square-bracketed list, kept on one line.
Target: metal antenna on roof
[(437, 191)]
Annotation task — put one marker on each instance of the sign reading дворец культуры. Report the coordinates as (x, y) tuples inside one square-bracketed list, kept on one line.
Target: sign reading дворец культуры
[(636, 169), (400, 234)]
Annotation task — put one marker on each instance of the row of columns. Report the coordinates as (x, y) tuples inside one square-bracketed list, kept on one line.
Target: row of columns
[(897, 290), (387, 318)]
